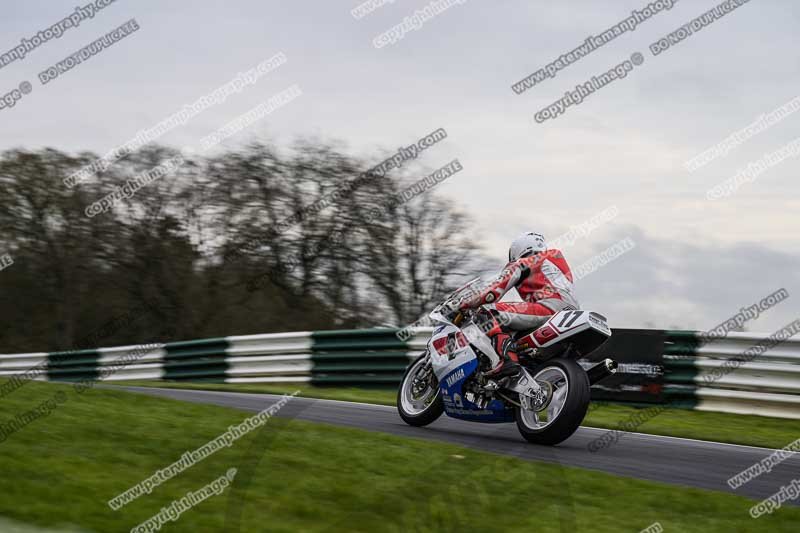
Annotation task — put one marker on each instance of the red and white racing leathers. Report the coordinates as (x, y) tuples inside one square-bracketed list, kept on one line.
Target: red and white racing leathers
[(544, 282)]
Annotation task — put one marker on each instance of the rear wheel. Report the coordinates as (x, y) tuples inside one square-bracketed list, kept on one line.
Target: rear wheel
[(419, 400), (560, 417)]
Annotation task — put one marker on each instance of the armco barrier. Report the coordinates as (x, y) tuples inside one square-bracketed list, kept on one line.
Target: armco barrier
[(358, 357), (719, 375), (656, 366)]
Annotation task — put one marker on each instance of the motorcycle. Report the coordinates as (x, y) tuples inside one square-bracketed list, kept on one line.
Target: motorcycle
[(548, 397)]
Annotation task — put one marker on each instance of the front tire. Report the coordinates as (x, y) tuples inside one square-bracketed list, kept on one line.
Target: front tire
[(419, 405), (565, 411)]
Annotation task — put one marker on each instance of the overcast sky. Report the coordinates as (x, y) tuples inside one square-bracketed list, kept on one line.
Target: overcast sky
[(696, 261)]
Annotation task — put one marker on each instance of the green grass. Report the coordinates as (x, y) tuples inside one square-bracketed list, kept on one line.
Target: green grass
[(348, 394), (720, 427), (749, 430), (60, 470), (12, 526)]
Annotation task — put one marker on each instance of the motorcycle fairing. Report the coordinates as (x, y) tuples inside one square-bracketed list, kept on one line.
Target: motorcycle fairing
[(452, 368)]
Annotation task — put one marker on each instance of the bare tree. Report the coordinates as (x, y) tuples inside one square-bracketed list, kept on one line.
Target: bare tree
[(188, 245)]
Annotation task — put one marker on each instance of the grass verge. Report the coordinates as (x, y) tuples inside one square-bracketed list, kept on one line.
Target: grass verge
[(61, 469)]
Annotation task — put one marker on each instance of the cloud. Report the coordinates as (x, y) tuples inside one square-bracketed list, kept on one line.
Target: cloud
[(696, 262), (666, 283)]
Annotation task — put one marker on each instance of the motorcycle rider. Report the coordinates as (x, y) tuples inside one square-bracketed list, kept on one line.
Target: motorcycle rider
[(543, 280)]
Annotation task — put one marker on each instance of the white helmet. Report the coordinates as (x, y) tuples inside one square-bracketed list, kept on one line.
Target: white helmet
[(525, 245)]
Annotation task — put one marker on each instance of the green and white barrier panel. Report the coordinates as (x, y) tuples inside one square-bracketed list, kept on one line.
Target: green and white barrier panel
[(656, 366), (374, 356), (742, 373), (360, 357)]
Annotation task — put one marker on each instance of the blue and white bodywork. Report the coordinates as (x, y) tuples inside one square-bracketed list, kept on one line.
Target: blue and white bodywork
[(454, 366)]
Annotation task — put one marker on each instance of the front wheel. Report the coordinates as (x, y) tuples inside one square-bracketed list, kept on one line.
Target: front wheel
[(562, 415), (419, 400)]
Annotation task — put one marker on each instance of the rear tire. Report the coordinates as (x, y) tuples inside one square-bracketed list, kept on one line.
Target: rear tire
[(411, 416), (571, 414)]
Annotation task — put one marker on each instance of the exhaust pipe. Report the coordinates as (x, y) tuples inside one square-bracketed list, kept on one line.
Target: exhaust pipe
[(602, 370)]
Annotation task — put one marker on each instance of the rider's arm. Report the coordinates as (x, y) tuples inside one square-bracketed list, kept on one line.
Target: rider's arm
[(511, 276)]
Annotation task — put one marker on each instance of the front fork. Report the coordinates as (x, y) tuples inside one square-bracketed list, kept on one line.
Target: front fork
[(424, 378)]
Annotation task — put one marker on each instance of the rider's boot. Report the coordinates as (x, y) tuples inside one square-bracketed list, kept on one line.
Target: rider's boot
[(506, 366)]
